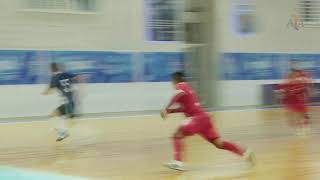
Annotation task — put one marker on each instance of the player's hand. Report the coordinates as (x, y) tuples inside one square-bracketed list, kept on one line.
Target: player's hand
[(45, 93), (278, 94), (82, 78), (163, 114)]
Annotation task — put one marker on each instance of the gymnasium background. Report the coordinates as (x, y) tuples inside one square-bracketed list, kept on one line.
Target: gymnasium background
[(128, 62)]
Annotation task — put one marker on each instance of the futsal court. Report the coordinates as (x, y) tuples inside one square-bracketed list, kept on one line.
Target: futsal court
[(134, 147)]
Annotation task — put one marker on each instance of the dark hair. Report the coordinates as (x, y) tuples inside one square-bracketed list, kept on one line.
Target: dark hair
[(55, 67), (178, 77)]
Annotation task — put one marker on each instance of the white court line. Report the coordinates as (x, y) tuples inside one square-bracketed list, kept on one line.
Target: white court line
[(126, 117), (249, 109), (80, 119)]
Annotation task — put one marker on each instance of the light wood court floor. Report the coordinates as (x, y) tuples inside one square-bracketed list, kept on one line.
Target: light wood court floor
[(136, 147)]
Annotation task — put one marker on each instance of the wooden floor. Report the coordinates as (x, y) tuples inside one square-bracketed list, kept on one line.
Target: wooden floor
[(136, 147)]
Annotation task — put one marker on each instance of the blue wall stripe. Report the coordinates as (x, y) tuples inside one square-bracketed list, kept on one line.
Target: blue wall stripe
[(32, 67)]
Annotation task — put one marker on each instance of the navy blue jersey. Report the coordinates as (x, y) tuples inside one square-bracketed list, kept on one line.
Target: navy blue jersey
[(63, 82)]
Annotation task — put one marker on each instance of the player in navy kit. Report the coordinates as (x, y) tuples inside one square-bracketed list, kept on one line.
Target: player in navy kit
[(63, 81)]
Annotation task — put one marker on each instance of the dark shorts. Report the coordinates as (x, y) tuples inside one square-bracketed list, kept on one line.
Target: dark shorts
[(67, 109)]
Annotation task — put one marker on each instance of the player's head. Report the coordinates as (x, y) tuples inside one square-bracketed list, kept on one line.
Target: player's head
[(178, 77), (55, 67), (294, 65)]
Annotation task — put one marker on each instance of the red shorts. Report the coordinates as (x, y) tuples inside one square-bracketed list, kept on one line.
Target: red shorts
[(296, 104), (200, 124), (297, 107)]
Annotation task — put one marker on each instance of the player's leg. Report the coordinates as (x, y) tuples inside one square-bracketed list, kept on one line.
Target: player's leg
[(234, 148), (71, 112), (290, 117), (213, 136), (228, 145), (293, 117), (306, 118), (54, 116), (178, 146), (300, 117), (62, 127), (304, 121), (56, 119), (298, 123), (304, 114), (186, 129), (76, 103)]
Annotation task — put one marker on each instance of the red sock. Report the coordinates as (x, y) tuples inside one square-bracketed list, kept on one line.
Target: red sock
[(178, 149), (233, 148), (306, 119)]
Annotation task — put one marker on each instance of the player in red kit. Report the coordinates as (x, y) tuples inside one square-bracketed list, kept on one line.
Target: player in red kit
[(186, 101), (296, 92)]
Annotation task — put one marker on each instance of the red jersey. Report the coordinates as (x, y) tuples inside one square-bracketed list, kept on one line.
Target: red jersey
[(186, 100), (299, 77), (296, 87)]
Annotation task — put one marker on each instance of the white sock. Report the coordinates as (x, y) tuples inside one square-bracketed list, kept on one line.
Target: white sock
[(59, 124), (179, 163)]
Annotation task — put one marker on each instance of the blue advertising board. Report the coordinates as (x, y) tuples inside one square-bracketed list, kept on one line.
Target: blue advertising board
[(32, 67), (265, 66), (159, 66), (270, 99), (16, 67), (117, 67)]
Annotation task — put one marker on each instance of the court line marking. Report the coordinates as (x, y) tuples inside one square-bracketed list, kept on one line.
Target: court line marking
[(11, 171), (80, 119)]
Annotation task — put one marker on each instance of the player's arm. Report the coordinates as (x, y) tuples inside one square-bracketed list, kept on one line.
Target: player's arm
[(298, 90), (50, 88), (311, 90), (171, 107), (48, 91), (279, 91), (310, 86), (175, 106), (79, 78)]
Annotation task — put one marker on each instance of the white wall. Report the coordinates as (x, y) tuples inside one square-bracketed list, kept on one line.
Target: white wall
[(26, 100), (272, 36), (118, 26), (241, 93)]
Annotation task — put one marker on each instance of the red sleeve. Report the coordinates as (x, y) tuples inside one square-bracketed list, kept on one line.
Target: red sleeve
[(309, 79), (282, 86), (298, 89), (308, 84), (176, 101), (177, 110)]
